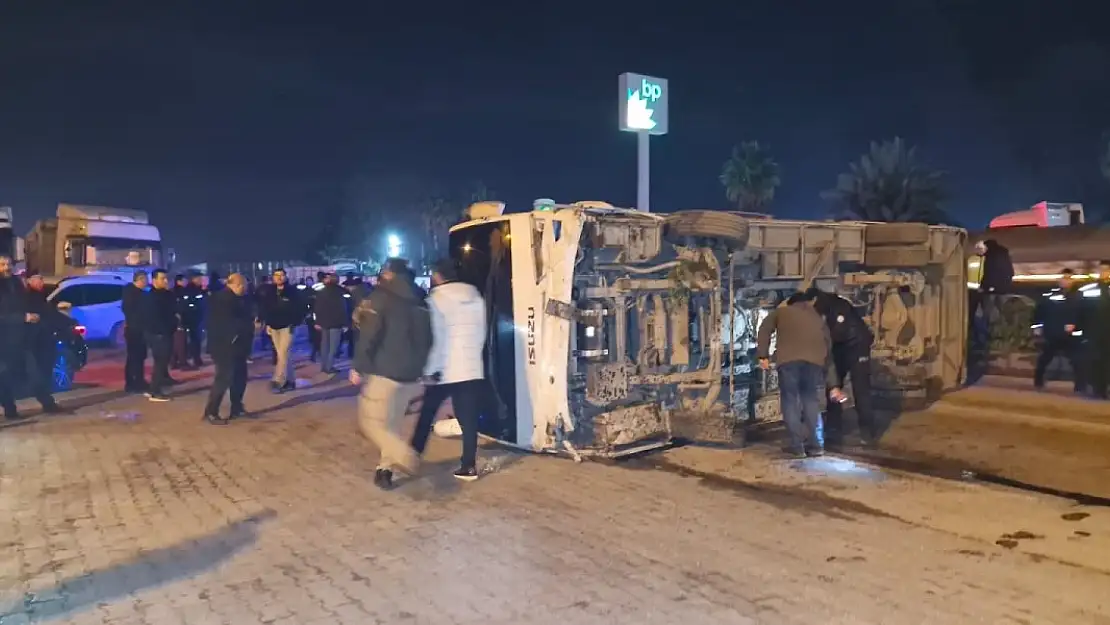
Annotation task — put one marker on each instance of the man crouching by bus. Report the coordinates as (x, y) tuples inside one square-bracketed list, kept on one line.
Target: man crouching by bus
[(394, 338), (454, 367)]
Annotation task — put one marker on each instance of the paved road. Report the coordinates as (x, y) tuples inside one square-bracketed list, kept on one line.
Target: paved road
[(159, 518)]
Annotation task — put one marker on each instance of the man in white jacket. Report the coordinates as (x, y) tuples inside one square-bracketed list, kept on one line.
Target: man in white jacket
[(454, 366)]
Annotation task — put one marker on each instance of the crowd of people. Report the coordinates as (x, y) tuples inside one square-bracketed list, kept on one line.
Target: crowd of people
[(404, 343)]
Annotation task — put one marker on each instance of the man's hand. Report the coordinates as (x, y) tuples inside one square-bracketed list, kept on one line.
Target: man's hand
[(837, 395), (355, 377), (1069, 328), (319, 327), (31, 318), (765, 363)]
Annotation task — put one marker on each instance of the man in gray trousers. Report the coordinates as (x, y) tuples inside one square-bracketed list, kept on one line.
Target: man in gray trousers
[(394, 338), (803, 356)]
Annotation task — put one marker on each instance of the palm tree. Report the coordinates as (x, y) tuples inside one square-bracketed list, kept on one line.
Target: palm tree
[(888, 184), (750, 177)]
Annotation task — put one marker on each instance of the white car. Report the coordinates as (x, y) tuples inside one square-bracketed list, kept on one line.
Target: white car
[(94, 301)]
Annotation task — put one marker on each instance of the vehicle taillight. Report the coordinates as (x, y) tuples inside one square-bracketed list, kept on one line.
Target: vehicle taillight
[(79, 331)]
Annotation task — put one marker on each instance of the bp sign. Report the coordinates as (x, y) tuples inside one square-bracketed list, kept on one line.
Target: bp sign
[(643, 103)]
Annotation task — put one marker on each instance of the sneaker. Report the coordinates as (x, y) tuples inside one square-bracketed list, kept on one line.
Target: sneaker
[(796, 453), (383, 479), (275, 388), (467, 474), (815, 452), (158, 397), (215, 419), (239, 412), (289, 386), (55, 409)]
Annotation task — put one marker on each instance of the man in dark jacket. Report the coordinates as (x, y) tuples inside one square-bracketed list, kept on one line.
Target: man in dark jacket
[(160, 320), (40, 344), (14, 317), (851, 354), (312, 288), (282, 311), (133, 294), (179, 358), (995, 277), (230, 334), (330, 318), (193, 304), (1100, 334), (1058, 320), (395, 337)]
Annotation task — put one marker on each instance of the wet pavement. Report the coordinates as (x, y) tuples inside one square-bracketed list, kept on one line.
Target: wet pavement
[(161, 518)]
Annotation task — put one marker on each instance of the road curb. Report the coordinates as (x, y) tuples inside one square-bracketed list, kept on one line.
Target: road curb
[(1008, 416)]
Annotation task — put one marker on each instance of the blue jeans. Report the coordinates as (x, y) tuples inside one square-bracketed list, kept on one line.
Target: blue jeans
[(800, 385)]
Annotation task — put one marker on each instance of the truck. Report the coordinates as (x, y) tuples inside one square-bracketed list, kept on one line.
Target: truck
[(1043, 240), (614, 331), (82, 240)]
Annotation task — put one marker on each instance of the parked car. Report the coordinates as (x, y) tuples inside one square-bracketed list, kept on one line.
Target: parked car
[(71, 354), (95, 302)]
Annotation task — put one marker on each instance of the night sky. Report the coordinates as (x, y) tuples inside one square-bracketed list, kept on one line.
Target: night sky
[(233, 122)]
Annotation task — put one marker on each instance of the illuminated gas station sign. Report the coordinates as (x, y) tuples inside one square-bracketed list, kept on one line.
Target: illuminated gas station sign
[(643, 103)]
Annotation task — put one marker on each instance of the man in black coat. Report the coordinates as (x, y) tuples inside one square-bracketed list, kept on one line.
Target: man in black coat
[(160, 322), (330, 317), (851, 355), (1058, 320), (133, 371), (14, 317), (230, 328), (40, 344)]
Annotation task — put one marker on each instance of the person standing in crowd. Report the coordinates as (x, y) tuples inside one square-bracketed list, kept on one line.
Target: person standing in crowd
[(14, 316), (357, 290), (995, 276), (134, 376), (313, 331), (160, 321), (260, 294), (282, 311), (1059, 324), (1100, 341), (40, 344), (329, 320), (180, 357), (803, 357), (395, 336), (194, 304), (230, 334), (454, 368), (851, 355)]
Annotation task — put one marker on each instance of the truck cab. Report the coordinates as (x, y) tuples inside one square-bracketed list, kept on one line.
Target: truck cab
[(82, 240)]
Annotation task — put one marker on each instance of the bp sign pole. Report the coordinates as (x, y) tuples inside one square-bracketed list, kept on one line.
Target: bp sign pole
[(643, 104)]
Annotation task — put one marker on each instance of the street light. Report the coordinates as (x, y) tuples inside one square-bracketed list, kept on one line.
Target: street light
[(394, 243)]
